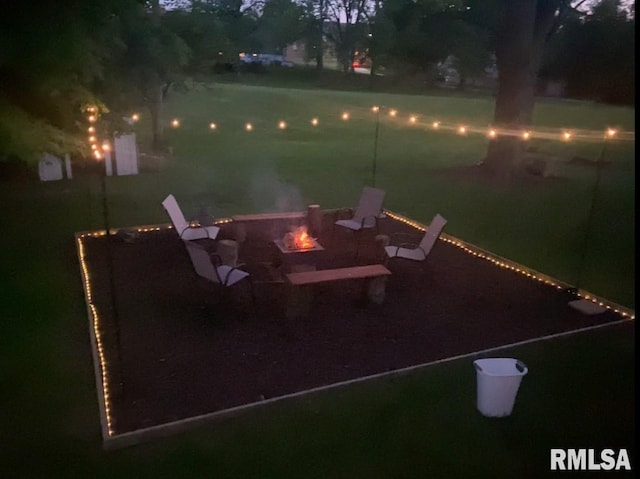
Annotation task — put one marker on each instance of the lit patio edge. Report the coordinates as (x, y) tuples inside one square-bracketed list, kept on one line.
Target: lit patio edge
[(111, 440)]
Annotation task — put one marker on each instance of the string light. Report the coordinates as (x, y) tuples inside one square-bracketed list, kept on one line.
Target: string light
[(92, 118), (91, 129), (248, 127), (106, 146), (92, 139), (95, 321), (95, 318), (94, 147), (413, 119), (97, 153)]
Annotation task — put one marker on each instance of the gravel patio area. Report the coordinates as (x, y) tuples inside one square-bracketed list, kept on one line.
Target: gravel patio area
[(175, 346)]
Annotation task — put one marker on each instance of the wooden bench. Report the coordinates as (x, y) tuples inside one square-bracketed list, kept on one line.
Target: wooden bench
[(299, 300), (270, 216), (338, 274), (240, 222)]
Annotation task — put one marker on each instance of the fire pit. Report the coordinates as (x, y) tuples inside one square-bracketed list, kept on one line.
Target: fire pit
[(298, 241)]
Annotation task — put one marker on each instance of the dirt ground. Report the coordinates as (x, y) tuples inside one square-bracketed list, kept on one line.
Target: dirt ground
[(178, 346)]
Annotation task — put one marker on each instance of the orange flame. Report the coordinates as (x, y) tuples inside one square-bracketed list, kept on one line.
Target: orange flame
[(299, 239)]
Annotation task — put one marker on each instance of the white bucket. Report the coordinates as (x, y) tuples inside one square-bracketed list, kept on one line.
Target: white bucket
[(498, 380)]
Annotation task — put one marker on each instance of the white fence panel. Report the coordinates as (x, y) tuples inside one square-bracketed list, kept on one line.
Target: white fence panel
[(126, 153)]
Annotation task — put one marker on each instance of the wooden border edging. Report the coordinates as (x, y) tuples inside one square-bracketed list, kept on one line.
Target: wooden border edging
[(116, 441)]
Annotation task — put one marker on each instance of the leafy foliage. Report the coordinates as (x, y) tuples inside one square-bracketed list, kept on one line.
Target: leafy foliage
[(594, 54)]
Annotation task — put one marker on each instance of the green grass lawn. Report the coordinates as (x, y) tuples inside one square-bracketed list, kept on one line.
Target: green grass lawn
[(579, 390)]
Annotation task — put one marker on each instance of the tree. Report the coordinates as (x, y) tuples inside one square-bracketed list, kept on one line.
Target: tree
[(383, 35), (348, 27), (594, 54), (524, 30), (48, 72), (280, 24), (148, 60), (203, 32), (422, 34)]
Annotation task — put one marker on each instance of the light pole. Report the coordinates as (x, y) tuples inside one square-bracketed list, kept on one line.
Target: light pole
[(583, 305), (106, 156), (376, 110)]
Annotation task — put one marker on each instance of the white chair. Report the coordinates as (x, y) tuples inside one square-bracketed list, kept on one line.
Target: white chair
[(420, 251), (367, 212), (209, 266), (186, 230)]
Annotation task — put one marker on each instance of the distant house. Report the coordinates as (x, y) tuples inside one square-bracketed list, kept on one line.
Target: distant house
[(296, 53)]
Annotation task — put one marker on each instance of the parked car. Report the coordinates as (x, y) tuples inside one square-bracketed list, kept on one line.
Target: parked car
[(265, 59)]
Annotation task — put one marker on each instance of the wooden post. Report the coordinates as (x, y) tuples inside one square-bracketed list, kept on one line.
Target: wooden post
[(228, 252), (314, 220), (381, 241), (376, 289)]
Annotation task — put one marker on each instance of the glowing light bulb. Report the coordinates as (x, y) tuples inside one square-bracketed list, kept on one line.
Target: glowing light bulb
[(611, 132), (97, 155), (566, 135), (212, 126), (92, 139), (345, 116), (492, 133), (282, 125), (393, 112), (175, 123), (106, 146), (526, 135), (135, 117), (248, 127), (91, 129), (435, 124), (94, 147), (92, 118), (462, 129), (314, 121), (375, 109), (413, 119)]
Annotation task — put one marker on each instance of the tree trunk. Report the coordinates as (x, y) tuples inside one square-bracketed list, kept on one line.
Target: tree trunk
[(319, 59), (320, 46), (155, 108), (522, 37)]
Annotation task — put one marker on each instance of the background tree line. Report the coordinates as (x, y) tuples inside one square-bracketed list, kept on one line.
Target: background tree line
[(118, 53)]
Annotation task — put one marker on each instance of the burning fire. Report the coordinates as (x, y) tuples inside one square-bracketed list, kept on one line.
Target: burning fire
[(299, 239)]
